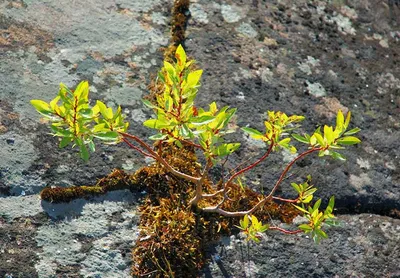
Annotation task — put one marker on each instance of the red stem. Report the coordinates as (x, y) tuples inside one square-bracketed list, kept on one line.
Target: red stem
[(252, 165), (285, 200), (286, 231), (136, 148), (270, 195), (161, 160), (278, 182)]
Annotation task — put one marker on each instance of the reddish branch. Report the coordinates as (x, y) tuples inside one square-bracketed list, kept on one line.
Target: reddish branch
[(270, 196), (161, 160), (252, 165), (285, 231)]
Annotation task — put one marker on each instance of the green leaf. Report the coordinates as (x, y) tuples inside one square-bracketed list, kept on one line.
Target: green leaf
[(41, 106), (328, 134), (307, 199), (84, 152), (65, 141), (321, 233), (284, 142), (339, 120), (352, 131), (317, 205), (82, 90), (86, 113), (245, 223), (263, 228), (332, 222), (309, 191), (168, 104), (305, 227), (226, 149), (296, 187), (61, 131), (349, 140), (149, 104), (331, 203), (53, 103), (92, 147), (337, 156), (170, 70), (301, 209), (193, 78), (255, 134), (300, 138), (348, 117), (104, 110), (158, 136), (313, 140), (180, 56), (202, 120), (107, 136), (319, 138), (156, 123), (241, 184)]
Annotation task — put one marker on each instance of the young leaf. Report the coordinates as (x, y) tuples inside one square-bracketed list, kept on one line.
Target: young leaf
[(245, 222), (82, 90), (352, 131), (158, 136), (318, 138), (84, 152), (193, 78), (255, 134), (300, 138), (305, 227), (149, 104), (348, 117), (202, 120), (337, 156), (284, 142), (180, 56), (65, 141), (296, 187), (349, 140), (339, 121), (301, 209), (106, 112), (109, 136), (316, 205), (328, 133), (40, 105)]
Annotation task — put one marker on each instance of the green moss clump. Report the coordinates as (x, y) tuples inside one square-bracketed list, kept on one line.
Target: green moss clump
[(117, 180)]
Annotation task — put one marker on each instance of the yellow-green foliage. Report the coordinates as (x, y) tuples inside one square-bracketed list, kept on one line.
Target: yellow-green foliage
[(184, 208)]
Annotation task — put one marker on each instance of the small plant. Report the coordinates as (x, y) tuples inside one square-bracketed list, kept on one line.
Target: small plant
[(177, 121)]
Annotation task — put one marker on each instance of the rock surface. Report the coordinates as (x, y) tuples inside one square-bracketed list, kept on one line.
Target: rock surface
[(301, 57)]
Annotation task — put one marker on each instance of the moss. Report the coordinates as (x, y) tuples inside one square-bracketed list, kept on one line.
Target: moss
[(180, 17), (117, 180), (173, 237)]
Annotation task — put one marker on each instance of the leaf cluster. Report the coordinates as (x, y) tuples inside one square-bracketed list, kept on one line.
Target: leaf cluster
[(73, 119), (331, 138), (317, 219), (252, 228), (277, 127), (177, 119)]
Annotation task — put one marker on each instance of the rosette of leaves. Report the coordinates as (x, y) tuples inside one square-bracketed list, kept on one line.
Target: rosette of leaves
[(252, 228), (78, 123), (277, 128), (331, 138)]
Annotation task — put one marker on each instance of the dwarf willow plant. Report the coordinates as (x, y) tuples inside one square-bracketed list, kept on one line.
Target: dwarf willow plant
[(178, 121)]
